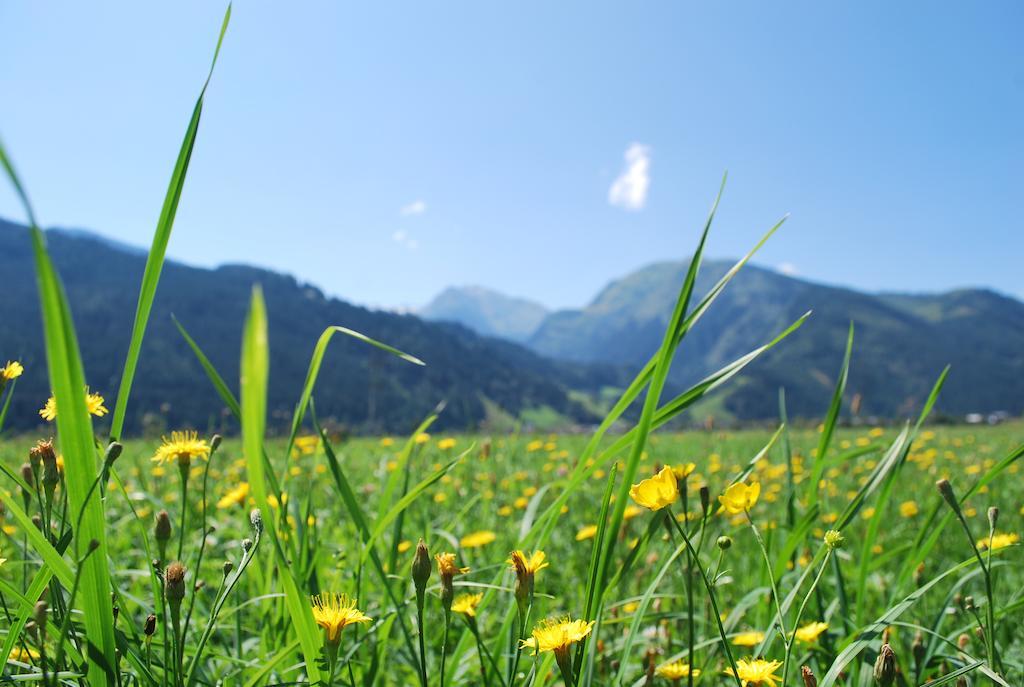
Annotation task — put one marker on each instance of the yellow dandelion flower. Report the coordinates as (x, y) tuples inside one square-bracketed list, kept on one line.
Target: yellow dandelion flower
[(234, 497), (656, 492), (999, 541), (909, 509), (466, 604), (446, 443), (446, 566), (676, 670), (748, 638), (387, 441), (93, 402), (335, 612), (182, 446), (739, 497), (684, 470), (477, 539), (557, 635), (586, 532), (12, 370), (756, 671), (422, 438), (809, 633)]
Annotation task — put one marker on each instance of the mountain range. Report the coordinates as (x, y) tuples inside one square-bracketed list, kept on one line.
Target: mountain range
[(494, 360), (482, 381), (902, 342)]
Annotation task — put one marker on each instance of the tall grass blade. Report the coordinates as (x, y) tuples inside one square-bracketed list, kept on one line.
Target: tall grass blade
[(254, 372), (157, 251)]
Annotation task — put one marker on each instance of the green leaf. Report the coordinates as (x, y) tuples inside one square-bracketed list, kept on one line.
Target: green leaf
[(254, 372), (157, 251)]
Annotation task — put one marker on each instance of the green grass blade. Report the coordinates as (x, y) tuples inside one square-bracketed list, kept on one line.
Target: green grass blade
[(81, 462), (830, 422), (254, 373), (314, 370), (157, 251)]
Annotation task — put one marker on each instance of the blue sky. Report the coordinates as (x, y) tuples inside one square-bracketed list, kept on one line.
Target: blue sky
[(386, 150)]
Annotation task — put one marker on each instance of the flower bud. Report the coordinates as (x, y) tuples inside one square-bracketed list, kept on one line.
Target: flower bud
[(421, 568), (28, 474), (834, 539), (705, 498), (724, 542), (150, 628), (993, 517), (256, 520), (918, 649), (885, 666), (246, 545), (174, 583), (162, 532), (215, 443), (227, 568), (39, 615), (808, 677), (946, 490), (114, 450)]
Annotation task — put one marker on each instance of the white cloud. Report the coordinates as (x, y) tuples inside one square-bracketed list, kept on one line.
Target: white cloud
[(402, 238), (417, 207), (629, 190), (788, 269)]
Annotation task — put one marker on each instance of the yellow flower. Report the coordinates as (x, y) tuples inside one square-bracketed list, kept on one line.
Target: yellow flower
[(756, 671), (557, 635), (586, 532), (446, 443), (676, 670), (739, 497), (335, 612), (527, 565), (234, 497), (12, 370), (22, 655), (809, 633), (387, 441), (467, 603), (656, 492), (684, 470), (93, 402), (477, 539), (999, 541), (908, 509), (446, 566), (422, 438), (182, 446), (748, 638)]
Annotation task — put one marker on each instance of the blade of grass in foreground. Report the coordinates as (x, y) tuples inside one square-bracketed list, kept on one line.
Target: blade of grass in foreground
[(81, 463), (155, 260), (255, 369)]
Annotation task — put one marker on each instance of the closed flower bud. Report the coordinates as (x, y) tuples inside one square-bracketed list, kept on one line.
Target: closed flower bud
[(946, 490), (885, 666), (114, 450), (808, 677), (421, 568), (993, 517), (227, 568), (150, 627), (215, 442), (724, 542), (256, 520), (918, 649), (705, 498), (963, 641), (28, 474), (39, 615), (174, 583), (246, 544), (162, 532)]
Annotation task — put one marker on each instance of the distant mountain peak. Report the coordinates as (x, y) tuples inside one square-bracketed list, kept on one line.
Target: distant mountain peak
[(486, 311)]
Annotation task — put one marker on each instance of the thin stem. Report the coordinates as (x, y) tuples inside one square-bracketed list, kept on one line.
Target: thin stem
[(791, 640), (711, 597), (444, 643), (771, 573)]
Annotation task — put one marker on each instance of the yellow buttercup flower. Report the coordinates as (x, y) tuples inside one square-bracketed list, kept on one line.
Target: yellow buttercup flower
[(557, 635), (739, 497), (477, 539), (182, 446), (586, 532), (676, 670), (467, 603), (684, 470), (756, 671), (748, 638), (93, 402), (909, 509), (234, 497), (809, 633), (999, 541), (335, 612), (12, 370), (446, 443), (656, 492)]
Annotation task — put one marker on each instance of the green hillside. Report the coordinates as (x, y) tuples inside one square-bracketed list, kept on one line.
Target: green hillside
[(902, 342), (359, 387), (487, 312)]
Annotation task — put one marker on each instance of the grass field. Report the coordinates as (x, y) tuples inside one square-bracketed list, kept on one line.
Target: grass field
[(819, 557)]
